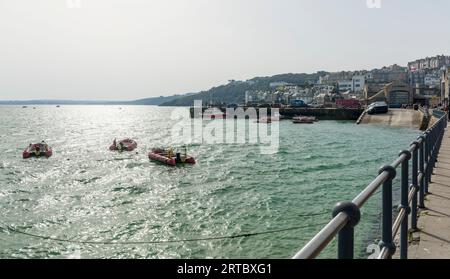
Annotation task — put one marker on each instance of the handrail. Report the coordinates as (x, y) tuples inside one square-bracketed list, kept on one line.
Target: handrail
[(346, 215)]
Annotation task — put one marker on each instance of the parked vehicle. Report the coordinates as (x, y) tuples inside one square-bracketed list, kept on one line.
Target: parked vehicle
[(298, 104), (378, 108)]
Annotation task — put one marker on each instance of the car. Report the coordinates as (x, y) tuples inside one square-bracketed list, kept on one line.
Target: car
[(298, 104)]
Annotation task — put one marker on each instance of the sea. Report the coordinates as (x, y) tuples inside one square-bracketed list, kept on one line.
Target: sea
[(236, 202)]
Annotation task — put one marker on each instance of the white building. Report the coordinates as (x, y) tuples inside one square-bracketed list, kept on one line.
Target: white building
[(356, 84), (345, 85), (432, 81)]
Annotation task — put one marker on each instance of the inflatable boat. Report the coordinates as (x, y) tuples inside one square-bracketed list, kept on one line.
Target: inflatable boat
[(123, 145), (37, 150), (304, 120), (266, 120), (169, 157)]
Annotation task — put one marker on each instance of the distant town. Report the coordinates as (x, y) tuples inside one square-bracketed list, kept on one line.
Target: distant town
[(424, 81)]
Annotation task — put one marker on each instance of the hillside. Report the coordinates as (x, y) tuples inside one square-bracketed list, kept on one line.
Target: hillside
[(234, 92)]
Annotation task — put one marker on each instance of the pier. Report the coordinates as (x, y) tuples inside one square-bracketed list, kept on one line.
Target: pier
[(319, 113), (408, 118), (397, 118)]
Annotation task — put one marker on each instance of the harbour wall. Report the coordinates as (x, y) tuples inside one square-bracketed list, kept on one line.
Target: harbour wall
[(320, 113), (408, 118)]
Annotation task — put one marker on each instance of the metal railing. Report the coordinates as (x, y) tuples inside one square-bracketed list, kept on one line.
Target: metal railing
[(346, 215)]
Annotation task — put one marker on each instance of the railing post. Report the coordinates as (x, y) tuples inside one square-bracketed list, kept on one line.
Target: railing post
[(433, 150), (414, 184), (346, 241), (386, 238), (404, 205), (422, 172), (427, 160)]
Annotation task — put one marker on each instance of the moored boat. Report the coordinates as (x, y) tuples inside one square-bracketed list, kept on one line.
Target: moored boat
[(123, 145), (266, 120), (170, 157), (304, 120), (213, 113), (37, 150)]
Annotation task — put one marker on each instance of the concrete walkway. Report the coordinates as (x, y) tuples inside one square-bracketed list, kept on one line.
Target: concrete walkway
[(433, 239)]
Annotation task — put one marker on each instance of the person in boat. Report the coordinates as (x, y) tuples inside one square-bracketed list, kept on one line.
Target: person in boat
[(170, 153), (37, 150)]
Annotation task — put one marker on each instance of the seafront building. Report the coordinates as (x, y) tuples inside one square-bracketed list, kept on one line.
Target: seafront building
[(424, 81), (429, 63)]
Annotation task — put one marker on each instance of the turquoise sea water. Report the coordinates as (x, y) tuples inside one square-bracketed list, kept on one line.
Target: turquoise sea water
[(86, 193)]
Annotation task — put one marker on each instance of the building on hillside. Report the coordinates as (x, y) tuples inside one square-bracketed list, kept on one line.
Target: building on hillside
[(389, 74), (445, 87), (323, 88), (417, 77), (430, 63), (355, 84), (345, 85), (359, 81), (279, 84), (432, 80), (334, 78)]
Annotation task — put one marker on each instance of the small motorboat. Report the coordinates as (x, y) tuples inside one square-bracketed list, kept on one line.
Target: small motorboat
[(170, 157), (276, 117), (304, 120), (38, 150), (123, 145), (265, 120), (213, 113)]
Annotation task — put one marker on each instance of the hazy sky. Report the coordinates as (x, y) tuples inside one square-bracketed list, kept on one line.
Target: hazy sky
[(127, 49)]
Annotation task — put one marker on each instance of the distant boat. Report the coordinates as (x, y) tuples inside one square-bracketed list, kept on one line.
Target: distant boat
[(123, 145), (24, 107), (213, 113), (37, 150), (266, 120), (304, 120), (313, 118), (58, 106), (171, 157), (34, 107)]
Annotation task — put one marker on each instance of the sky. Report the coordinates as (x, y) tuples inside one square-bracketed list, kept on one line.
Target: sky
[(131, 49)]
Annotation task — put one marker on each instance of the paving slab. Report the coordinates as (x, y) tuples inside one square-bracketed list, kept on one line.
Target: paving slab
[(432, 241)]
